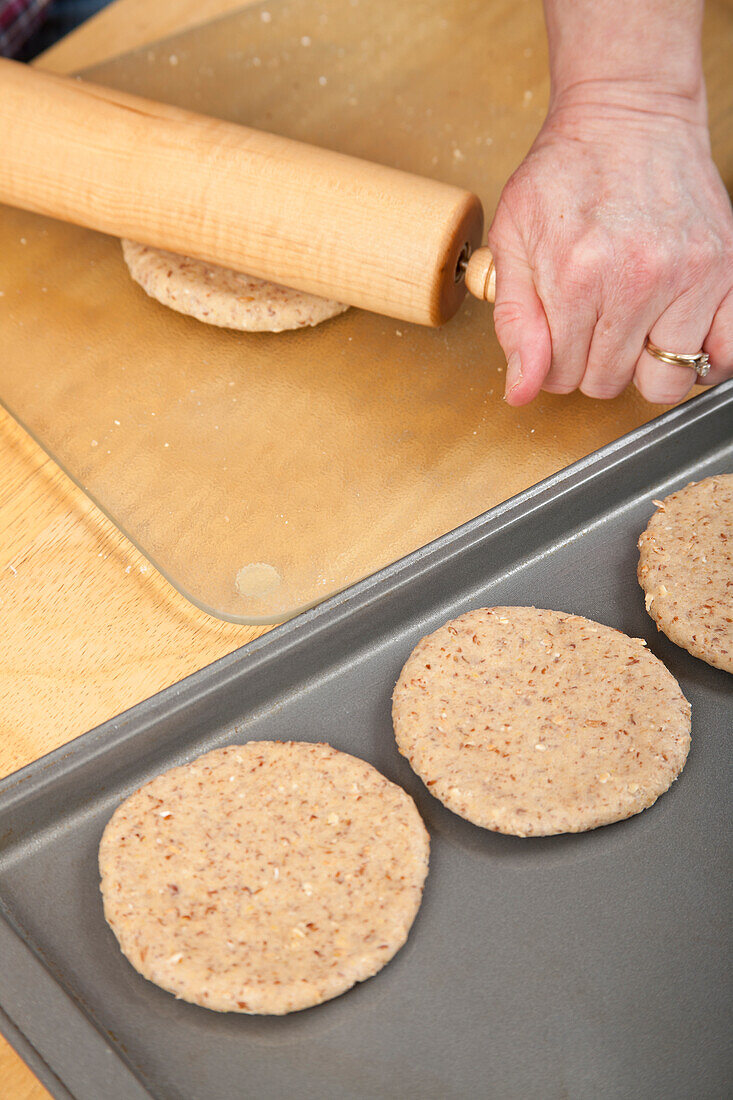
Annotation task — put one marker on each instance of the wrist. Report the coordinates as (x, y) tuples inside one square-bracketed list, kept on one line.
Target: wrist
[(627, 52), (600, 100)]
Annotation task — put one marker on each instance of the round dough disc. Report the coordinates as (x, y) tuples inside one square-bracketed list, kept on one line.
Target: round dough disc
[(220, 296), (536, 722), (263, 878), (686, 569)]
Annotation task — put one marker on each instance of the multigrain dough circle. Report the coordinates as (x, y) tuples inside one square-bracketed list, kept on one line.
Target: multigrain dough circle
[(686, 569), (536, 722), (220, 296), (263, 878)]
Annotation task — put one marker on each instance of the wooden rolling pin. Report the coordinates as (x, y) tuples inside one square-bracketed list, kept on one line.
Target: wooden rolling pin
[(323, 222)]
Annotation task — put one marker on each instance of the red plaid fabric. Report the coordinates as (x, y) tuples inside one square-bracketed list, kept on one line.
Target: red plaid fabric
[(18, 20)]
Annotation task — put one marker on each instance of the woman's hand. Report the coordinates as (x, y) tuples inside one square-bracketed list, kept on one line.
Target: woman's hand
[(616, 227)]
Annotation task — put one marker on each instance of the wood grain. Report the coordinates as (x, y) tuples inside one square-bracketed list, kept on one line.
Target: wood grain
[(18, 1081), (211, 189)]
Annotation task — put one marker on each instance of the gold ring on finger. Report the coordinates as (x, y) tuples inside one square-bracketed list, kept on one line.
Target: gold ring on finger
[(700, 362)]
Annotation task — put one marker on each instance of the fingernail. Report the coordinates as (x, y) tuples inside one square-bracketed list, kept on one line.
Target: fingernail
[(513, 374)]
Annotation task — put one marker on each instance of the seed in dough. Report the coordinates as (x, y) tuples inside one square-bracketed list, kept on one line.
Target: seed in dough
[(265, 877), (686, 569), (536, 722), (220, 296)]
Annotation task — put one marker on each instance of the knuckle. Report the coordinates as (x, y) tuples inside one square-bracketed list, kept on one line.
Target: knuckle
[(645, 267), (602, 388), (699, 272), (508, 316), (558, 386), (586, 261), (663, 391), (697, 266), (663, 396), (707, 254)]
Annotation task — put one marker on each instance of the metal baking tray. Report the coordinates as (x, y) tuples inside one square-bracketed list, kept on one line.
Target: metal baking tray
[(541, 969)]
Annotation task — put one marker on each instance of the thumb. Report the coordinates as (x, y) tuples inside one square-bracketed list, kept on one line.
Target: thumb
[(520, 323)]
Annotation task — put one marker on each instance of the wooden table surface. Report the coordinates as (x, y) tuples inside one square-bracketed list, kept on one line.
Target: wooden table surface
[(89, 628)]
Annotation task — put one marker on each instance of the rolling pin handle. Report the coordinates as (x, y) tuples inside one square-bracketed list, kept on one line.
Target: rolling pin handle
[(480, 275)]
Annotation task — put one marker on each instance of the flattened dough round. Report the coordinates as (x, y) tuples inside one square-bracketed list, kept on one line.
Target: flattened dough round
[(536, 722), (686, 569), (220, 296), (263, 878)]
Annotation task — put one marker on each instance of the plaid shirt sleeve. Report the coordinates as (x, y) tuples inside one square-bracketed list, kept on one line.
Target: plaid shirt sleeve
[(18, 20)]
